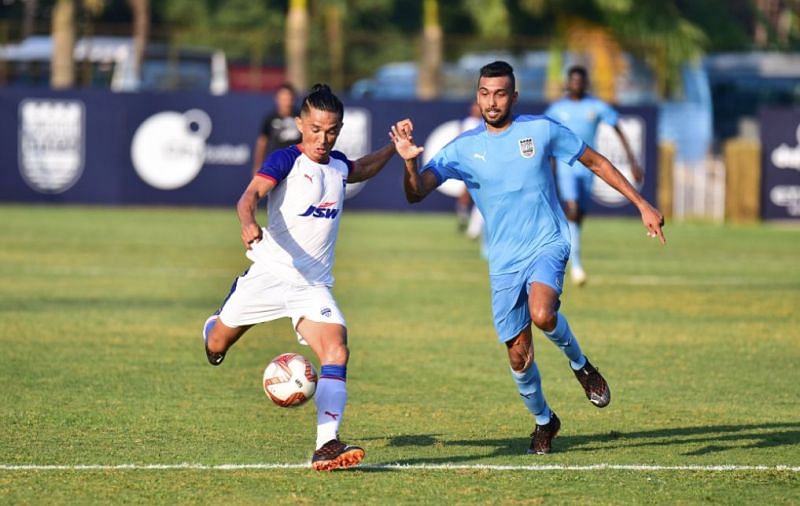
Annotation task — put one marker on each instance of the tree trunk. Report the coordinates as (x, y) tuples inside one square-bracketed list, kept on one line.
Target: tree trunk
[(141, 33), (333, 17), (29, 15), (767, 15), (430, 68), (297, 44), (62, 69)]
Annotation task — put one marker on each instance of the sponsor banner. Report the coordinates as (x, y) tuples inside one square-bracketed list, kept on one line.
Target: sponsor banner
[(93, 146), (55, 150), (189, 149), (780, 151)]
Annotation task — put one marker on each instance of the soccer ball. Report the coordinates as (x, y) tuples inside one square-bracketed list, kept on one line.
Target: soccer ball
[(290, 380)]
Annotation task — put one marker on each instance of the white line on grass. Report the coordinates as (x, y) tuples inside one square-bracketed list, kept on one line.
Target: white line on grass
[(399, 467)]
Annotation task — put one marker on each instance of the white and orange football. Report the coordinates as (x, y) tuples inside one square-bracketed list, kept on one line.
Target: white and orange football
[(290, 380)]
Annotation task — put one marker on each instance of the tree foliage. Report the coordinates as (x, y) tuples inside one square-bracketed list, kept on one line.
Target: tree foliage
[(666, 33)]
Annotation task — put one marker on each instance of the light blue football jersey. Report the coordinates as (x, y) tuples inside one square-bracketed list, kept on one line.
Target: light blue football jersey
[(583, 116), (510, 179)]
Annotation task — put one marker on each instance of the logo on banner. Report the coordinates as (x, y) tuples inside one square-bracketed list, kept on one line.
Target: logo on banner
[(169, 149), (51, 143), (787, 157), (609, 145), (787, 196)]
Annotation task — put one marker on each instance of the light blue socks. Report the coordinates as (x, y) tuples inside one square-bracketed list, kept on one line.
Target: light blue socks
[(529, 384), (562, 337)]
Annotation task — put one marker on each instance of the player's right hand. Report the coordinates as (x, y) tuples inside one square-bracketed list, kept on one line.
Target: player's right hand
[(654, 222), (403, 140), (251, 234)]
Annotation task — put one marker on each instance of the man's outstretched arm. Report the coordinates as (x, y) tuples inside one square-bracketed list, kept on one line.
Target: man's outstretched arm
[(636, 171), (417, 186), (369, 165), (651, 217)]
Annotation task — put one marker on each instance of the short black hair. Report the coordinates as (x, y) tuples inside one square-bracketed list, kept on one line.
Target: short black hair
[(578, 69), (499, 69), (322, 98)]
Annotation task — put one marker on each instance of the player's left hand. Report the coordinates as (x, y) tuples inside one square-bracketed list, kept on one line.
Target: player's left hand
[(653, 221)]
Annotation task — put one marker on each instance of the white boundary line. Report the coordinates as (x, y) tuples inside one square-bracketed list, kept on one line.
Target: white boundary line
[(399, 467)]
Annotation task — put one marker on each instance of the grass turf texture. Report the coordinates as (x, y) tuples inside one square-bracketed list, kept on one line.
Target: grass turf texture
[(100, 317)]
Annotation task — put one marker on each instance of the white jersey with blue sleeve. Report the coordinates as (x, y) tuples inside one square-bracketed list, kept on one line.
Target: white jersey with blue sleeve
[(583, 116), (510, 178), (304, 209)]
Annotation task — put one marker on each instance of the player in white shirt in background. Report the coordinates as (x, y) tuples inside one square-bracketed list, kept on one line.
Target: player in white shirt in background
[(292, 260)]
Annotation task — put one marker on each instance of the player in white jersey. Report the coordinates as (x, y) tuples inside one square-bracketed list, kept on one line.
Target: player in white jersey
[(292, 260)]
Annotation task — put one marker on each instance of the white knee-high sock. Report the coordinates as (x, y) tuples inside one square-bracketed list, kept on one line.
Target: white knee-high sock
[(563, 337), (330, 398)]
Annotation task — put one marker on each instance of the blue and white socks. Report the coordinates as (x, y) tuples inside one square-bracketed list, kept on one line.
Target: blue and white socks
[(330, 398), (563, 337)]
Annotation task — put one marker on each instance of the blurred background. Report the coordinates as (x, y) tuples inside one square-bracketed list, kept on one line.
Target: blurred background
[(161, 101)]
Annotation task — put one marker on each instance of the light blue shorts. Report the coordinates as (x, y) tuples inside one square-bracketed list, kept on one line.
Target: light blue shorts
[(510, 291), (574, 183)]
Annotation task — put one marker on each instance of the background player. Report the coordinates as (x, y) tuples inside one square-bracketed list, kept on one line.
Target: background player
[(505, 164), (278, 129), (292, 260), (582, 113)]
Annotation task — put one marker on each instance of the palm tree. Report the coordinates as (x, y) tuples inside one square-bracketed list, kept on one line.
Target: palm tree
[(297, 43), (335, 36), (62, 69), (62, 59), (141, 31), (601, 48), (28, 16), (430, 68), (655, 30)]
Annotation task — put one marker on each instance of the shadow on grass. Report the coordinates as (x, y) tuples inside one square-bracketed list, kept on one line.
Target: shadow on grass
[(700, 440)]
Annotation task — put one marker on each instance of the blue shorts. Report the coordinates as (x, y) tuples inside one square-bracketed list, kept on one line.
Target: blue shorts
[(510, 291), (574, 183)]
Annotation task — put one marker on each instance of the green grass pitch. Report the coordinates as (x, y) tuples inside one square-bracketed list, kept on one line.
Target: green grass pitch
[(102, 365)]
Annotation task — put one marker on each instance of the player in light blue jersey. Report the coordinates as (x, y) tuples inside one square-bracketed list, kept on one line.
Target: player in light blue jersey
[(505, 163), (582, 113)]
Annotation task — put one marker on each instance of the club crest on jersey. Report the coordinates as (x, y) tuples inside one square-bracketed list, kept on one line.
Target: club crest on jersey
[(324, 210), (526, 147)]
